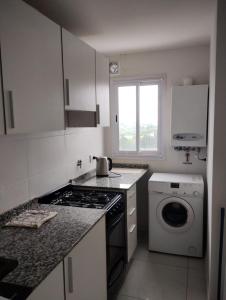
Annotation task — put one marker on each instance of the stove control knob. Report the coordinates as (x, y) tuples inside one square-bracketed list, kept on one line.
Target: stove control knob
[(195, 193)]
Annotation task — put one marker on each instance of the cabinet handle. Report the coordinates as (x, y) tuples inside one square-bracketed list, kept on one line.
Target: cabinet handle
[(132, 228), (67, 91), (70, 275), (132, 211), (98, 114), (11, 111)]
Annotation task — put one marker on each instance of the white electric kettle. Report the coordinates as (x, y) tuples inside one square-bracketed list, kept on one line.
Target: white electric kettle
[(104, 165)]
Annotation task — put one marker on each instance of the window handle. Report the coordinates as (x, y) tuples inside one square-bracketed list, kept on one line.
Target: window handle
[(11, 110), (67, 91), (97, 114), (116, 118)]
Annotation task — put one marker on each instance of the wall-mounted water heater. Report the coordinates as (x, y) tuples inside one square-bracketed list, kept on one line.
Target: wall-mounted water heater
[(189, 116)]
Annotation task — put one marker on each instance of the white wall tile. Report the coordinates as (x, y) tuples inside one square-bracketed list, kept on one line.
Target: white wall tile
[(31, 165), (81, 143), (45, 154), (44, 182), (13, 194), (13, 160)]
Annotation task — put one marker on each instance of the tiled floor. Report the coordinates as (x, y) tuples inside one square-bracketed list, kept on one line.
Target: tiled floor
[(154, 276)]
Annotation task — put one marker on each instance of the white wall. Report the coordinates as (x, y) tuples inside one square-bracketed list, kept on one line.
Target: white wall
[(33, 165), (216, 170), (176, 64)]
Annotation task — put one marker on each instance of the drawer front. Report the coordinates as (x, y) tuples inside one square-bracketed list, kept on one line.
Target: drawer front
[(131, 217), (131, 221), (132, 240), (131, 203), (131, 191)]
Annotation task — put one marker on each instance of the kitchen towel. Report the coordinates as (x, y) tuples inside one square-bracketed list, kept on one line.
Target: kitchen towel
[(31, 218)]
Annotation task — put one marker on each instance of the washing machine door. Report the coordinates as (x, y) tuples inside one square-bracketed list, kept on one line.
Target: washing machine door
[(175, 214)]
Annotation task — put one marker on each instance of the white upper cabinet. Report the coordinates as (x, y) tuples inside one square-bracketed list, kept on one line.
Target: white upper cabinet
[(102, 90), (79, 73), (32, 69)]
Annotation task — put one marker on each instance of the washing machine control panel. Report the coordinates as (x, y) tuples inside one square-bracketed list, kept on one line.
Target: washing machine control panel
[(177, 184), (185, 189), (179, 189)]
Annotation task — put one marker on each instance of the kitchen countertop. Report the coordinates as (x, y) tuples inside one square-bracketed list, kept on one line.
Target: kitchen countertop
[(129, 176), (39, 251)]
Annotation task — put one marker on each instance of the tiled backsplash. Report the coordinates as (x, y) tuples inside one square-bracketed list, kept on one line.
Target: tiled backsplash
[(33, 165)]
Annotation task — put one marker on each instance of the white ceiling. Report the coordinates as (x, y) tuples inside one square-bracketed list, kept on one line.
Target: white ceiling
[(122, 26)]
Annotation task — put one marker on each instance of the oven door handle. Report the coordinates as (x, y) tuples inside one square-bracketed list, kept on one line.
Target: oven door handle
[(115, 223)]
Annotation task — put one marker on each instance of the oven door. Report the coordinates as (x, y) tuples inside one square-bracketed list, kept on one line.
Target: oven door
[(116, 249)]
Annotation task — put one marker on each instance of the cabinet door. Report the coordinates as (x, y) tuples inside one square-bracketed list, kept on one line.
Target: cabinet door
[(32, 69), (52, 287), (102, 89), (79, 73), (85, 267)]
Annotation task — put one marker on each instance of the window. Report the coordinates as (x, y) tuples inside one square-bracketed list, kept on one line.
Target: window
[(136, 117)]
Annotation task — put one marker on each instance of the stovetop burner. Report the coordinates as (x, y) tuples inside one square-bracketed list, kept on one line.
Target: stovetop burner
[(70, 196)]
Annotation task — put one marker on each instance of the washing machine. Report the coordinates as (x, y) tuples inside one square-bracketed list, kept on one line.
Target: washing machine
[(176, 214)]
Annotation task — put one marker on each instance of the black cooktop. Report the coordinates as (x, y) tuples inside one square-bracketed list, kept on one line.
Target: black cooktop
[(72, 196)]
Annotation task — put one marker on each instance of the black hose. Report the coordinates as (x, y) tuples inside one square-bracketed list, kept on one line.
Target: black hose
[(220, 254)]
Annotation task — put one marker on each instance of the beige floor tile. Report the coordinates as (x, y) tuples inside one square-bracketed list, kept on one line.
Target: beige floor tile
[(196, 264), (142, 253), (122, 297), (196, 289), (149, 281)]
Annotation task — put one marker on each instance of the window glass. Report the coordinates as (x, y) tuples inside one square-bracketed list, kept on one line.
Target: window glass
[(127, 118), (148, 118), (136, 117)]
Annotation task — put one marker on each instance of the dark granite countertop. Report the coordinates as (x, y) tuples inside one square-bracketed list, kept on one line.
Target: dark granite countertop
[(128, 177), (39, 251)]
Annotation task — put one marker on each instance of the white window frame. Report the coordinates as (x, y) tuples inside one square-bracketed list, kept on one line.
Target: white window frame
[(137, 81)]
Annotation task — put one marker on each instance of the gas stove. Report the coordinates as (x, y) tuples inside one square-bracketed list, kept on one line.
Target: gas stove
[(114, 204), (71, 196)]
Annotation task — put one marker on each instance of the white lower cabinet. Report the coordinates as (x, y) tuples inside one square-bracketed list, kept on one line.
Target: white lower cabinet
[(85, 267), (131, 221), (83, 275), (52, 287)]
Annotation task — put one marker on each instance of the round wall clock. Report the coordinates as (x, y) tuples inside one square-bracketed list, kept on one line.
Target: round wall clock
[(114, 68)]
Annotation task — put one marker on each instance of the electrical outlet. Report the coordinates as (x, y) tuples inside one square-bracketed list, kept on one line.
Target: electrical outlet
[(79, 163)]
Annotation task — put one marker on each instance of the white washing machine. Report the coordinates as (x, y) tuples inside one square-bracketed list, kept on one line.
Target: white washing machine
[(176, 214)]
